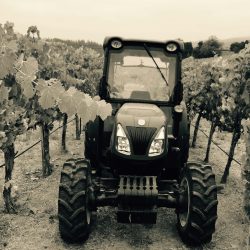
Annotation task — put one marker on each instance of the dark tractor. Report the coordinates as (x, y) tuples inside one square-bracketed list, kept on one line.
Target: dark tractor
[(136, 159)]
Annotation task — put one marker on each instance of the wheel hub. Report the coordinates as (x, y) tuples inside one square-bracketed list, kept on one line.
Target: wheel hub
[(88, 211), (184, 202)]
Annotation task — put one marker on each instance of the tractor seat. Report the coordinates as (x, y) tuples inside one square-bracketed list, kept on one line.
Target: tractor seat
[(144, 95)]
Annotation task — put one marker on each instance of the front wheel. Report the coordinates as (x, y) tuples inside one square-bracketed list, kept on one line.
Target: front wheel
[(74, 198), (197, 204)]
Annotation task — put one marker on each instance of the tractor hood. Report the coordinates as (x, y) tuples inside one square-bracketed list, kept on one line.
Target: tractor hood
[(140, 115), (141, 122)]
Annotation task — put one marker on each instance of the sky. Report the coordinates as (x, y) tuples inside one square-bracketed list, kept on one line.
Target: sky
[(190, 20)]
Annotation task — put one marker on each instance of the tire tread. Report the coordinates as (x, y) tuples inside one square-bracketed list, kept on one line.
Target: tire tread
[(73, 224), (203, 213)]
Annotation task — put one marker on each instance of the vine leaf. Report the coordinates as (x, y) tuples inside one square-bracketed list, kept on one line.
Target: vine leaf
[(7, 61), (3, 138), (47, 99), (26, 75), (25, 82), (4, 93), (19, 62), (30, 67), (28, 89), (40, 85), (49, 92), (104, 109), (68, 103), (12, 45)]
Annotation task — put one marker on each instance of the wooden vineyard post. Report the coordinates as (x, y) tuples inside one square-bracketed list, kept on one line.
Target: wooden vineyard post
[(9, 155), (235, 139), (46, 166), (64, 131), (196, 128), (212, 129), (78, 127)]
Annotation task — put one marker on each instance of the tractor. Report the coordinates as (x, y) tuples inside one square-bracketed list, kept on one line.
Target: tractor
[(136, 160)]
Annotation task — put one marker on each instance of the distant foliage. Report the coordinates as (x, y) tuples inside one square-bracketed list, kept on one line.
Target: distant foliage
[(238, 46), (208, 48), (34, 31), (80, 43)]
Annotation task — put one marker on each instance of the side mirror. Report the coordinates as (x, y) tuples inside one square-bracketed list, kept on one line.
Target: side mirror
[(178, 93), (103, 88)]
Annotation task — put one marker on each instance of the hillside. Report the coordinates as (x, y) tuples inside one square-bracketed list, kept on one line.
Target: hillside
[(226, 42)]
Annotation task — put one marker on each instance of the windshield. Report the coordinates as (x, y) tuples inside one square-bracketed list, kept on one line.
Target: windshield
[(133, 73)]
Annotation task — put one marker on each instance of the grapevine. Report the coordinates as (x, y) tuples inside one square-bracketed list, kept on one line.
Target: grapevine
[(34, 93), (216, 89)]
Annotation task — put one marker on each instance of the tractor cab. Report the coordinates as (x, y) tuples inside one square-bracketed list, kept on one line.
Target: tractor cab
[(142, 81), (141, 71), (136, 159)]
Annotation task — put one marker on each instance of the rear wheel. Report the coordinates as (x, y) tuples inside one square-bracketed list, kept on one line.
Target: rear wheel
[(74, 198), (197, 208)]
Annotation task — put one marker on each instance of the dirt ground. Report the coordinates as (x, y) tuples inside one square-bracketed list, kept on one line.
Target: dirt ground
[(35, 227)]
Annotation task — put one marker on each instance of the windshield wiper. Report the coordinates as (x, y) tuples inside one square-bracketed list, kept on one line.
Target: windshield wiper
[(149, 53)]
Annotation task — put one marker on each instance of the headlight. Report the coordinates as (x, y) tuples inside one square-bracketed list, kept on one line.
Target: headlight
[(171, 47), (116, 44), (122, 142), (157, 145)]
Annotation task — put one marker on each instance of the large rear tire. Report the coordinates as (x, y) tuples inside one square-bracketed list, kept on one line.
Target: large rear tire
[(73, 204), (197, 208)]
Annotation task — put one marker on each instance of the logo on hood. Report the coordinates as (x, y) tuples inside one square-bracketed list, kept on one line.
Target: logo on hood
[(141, 122)]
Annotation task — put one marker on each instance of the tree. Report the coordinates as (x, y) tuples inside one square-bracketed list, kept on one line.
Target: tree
[(209, 48), (236, 47), (196, 50), (33, 30)]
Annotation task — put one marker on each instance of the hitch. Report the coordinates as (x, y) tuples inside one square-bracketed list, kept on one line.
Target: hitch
[(137, 199)]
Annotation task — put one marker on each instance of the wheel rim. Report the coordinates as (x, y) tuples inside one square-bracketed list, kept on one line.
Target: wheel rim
[(185, 202)]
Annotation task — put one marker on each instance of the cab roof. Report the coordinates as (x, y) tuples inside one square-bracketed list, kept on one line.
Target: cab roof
[(133, 41)]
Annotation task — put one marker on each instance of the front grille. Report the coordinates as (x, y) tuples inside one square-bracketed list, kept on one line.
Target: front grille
[(140, 138)]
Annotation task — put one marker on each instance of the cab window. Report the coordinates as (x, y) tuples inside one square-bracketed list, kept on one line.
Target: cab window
[(133, 74)]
